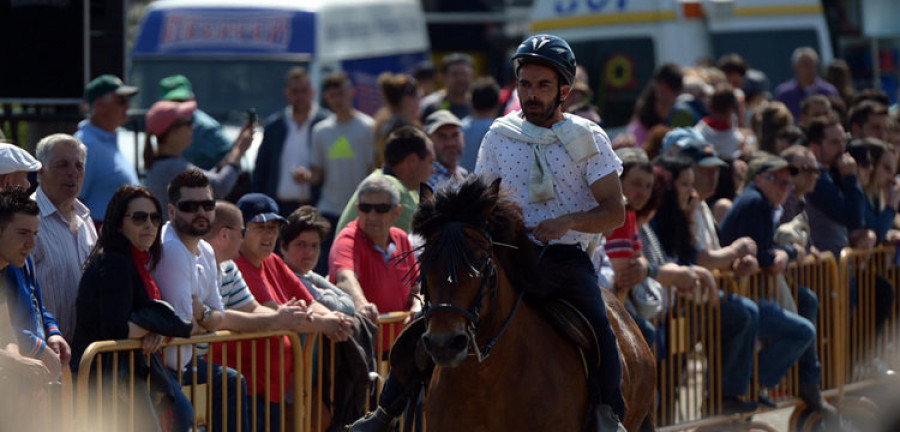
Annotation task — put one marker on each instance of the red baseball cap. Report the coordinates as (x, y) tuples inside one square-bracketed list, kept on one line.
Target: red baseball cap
[(163, 113)]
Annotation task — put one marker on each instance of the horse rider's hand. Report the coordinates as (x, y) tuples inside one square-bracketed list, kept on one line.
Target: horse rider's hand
[(551, 229)]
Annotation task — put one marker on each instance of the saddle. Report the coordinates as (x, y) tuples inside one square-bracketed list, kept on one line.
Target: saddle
[(572, 324)]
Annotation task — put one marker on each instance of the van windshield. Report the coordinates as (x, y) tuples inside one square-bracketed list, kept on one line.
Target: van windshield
[(225, 89)]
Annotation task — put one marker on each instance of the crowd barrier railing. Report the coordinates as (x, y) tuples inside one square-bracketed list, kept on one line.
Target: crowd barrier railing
[(874, 330), (690, 373), (92, 415), (849, 341)]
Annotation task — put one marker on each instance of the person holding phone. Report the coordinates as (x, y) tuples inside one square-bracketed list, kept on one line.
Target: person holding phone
[(172, 125)]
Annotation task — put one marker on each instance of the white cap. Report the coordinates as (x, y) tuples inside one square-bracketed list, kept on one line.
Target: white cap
[(14, 158)]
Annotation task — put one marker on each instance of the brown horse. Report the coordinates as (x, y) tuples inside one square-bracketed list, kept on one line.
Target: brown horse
[(500, 364)]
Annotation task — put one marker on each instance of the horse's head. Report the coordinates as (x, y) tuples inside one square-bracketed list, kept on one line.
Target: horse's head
[(459, 276)]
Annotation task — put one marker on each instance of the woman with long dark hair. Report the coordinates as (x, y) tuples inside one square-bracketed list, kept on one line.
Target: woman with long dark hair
[(673, 223), (118, 299)]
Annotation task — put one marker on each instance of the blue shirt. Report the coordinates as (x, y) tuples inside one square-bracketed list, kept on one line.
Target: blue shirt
[(473, 130), (106, 169), (31, 321)]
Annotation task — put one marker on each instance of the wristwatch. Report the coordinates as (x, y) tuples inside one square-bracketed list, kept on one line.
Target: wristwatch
[(207, 312)]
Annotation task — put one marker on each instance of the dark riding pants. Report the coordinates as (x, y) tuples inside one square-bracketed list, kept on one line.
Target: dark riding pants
[(605, 382)]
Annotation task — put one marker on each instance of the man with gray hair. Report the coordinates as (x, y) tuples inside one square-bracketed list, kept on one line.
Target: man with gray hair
[(108, 170), (805, 62), (67, 233), (371, 259)]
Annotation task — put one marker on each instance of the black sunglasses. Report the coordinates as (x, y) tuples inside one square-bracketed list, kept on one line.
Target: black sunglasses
[(140, 217), (193, 206), (379, 208)]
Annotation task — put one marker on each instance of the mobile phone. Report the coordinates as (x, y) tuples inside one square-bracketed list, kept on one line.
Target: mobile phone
[(251, 116)]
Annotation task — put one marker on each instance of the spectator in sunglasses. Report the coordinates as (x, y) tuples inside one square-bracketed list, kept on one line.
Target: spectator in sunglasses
[(106, 169), (371, 259), (171, 123), (116, 291)]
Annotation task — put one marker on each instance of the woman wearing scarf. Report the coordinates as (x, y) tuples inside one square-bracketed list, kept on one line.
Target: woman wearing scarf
[(118, 299)]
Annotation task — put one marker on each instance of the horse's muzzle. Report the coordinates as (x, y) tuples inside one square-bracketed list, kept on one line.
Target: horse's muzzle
[(447, 349)]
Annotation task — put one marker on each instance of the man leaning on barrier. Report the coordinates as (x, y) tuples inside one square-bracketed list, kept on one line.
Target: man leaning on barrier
[(787, 330), (186, 276)]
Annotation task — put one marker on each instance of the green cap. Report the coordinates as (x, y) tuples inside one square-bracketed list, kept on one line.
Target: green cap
[(176, 87), (105, 84)]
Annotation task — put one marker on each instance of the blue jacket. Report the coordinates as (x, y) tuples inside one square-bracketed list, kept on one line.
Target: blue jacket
[(33, 324), (752, 216)]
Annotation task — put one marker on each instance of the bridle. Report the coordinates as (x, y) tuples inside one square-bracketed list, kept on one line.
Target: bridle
[(488, 274)]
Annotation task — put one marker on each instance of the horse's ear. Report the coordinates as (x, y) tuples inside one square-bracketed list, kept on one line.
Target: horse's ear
[(426, 193), (494, 188)]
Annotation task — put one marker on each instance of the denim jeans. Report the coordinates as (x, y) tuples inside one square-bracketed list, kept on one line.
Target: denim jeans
[(740, 323), (785, 336), (810, 370), (584, 293), (235, 391)]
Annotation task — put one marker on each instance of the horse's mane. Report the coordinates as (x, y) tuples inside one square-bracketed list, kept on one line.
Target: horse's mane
[(481, 207)]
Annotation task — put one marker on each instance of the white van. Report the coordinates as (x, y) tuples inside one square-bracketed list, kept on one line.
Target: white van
[(621, 42), (237, 52)]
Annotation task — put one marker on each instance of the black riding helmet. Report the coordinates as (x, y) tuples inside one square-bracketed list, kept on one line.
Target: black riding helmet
[(548, 50)]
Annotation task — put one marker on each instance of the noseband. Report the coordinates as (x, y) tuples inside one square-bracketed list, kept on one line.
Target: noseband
[(488, 274)]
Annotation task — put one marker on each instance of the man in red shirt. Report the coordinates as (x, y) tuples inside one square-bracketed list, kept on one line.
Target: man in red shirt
[(273, 283), (371, 259)]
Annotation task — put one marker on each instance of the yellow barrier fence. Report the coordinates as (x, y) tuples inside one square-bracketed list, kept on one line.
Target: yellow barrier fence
[(874, 331), (690, 367), (851, 347), (92, 415)]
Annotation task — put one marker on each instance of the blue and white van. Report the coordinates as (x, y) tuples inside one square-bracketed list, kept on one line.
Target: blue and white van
[(237, 52)]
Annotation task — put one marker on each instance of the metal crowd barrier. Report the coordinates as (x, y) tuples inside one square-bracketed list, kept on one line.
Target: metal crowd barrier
[(92, 415), (689, 392), (873, 345), (690, 356)]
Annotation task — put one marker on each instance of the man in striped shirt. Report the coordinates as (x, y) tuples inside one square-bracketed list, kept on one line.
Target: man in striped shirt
[(242, 312), (67, 234)]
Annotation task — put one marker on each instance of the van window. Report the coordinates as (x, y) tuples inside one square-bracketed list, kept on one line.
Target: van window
[(768, 51), (225, 89), (617, 69)]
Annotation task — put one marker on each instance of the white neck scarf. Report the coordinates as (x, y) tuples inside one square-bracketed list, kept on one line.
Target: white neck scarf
[(575, 133)]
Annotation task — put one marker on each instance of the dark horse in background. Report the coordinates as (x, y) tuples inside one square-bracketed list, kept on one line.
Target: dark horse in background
[(501, 366)]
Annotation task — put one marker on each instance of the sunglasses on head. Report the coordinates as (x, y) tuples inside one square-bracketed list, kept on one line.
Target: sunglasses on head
[(191, 206), (140, 217), (379, 208)]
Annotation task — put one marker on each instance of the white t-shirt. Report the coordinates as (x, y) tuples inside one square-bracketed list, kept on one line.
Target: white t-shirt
[(294, 154), (512, 160), (182, 275)]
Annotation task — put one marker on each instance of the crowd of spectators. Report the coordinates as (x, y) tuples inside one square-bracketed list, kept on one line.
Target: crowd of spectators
[(718, 174)]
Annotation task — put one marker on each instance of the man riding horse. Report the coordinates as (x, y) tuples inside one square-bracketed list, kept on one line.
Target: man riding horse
[(561, 170)]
